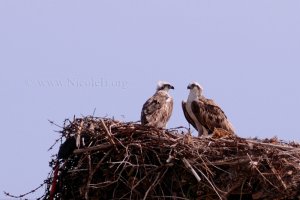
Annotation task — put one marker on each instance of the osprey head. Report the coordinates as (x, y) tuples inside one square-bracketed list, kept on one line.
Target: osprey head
[(163, 85), (195, 87)]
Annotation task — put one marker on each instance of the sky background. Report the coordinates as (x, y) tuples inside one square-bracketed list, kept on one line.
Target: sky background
[(64, 58)]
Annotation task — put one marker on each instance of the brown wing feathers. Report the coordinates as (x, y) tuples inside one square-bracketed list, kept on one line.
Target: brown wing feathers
[(157, 111), (210, 115), (150, 106)]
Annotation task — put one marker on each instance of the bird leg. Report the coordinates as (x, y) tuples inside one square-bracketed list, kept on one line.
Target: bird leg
[(202, 131), (205, 132)]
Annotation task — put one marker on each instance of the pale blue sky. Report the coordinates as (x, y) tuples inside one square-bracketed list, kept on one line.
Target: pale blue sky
[(65, 58)]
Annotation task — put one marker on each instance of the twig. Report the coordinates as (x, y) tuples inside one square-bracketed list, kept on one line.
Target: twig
[(169, 197), (53, 123), (255, 167), (188, 165), (109, 135), (92, 148), (236, 185), (275, 173), (274, 145), (163, 138), (56, 141), (211, 184), (100, 162), (234, 161), (78, 137), (87, 187), (23, 195), (152, 185)]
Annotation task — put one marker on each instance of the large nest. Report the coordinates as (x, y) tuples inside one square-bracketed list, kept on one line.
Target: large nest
[(116, 160)]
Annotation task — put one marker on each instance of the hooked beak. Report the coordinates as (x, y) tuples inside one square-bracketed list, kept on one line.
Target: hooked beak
[(172, 87), (189, 87)]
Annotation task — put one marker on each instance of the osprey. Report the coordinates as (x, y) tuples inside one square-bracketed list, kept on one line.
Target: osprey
[(157, 109), (204, 114)]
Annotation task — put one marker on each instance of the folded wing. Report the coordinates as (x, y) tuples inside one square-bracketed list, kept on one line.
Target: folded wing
[(187, 116), (210, 115), (157, 110)]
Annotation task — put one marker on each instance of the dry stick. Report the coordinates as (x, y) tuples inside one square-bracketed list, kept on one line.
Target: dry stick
[(159, 181), (151, 171), (153, 184), (78, 138), (170, 197), (212, 185), (93, 148), (23, 195), (161, 190), (56, 141), (178, 127), (102, 184), (262, 174), (260, 143), (124, 161), (236, 185), (273, 145), (120, 178), (234, 161), (89, 179), (275, 173), (136, 173), (81, 162), (188, 165), (242, 190), (120, 143), (100, 162), (205, 164), (163, 138), (125, 182), (53, 123), (110, 138), (131, 190)]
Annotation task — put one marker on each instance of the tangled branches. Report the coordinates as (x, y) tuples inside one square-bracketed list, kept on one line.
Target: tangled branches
[(115, 160)]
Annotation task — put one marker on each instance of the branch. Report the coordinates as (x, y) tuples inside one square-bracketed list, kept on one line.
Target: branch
[(188, 165)]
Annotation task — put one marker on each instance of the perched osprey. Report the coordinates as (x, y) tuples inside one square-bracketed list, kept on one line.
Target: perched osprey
[(157, 110), (204, 114)]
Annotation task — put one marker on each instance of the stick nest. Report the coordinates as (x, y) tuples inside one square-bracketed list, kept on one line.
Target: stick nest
[(116, 160)]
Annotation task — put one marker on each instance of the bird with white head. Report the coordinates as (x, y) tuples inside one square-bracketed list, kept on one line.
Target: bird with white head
[(204, 114), (157, 110)]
